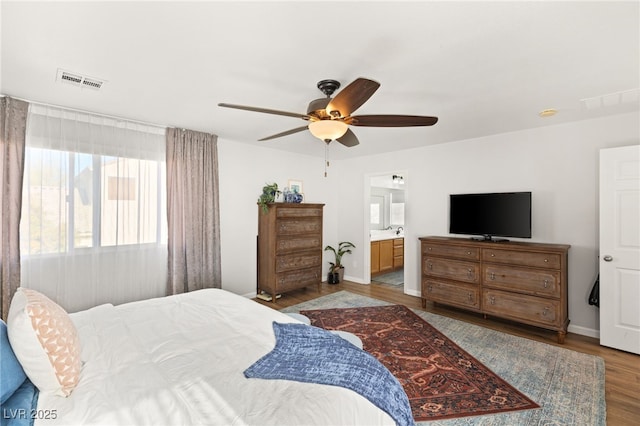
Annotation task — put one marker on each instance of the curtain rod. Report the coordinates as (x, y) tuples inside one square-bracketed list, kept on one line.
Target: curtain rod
[(2, 95)]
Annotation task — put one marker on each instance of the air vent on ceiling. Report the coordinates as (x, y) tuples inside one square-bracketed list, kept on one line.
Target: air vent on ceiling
[(626, 97), (79, 80)]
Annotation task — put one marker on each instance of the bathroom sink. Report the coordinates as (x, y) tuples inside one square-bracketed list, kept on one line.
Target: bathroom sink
[(386, 234)]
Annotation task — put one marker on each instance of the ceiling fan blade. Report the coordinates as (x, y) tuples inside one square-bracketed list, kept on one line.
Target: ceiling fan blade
[(391, 120), (265, 110), (288, 132), (348, 139), (352, 97)]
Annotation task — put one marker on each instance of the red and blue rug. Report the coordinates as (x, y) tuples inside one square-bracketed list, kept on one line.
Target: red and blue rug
[(441, 380)]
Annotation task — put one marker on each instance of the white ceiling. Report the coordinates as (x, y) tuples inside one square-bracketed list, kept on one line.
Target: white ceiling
[(481, 67)]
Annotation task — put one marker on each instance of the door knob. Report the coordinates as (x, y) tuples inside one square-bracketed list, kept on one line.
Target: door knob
[(607, 258)]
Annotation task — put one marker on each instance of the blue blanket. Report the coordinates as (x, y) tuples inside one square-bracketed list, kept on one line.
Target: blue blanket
[(313, 355)]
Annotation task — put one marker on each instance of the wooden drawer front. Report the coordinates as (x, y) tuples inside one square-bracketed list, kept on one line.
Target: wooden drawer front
[(452, 269), (398, 261), (288, 244), (299, 226), (398, 242), (463, 295), (538, 282), (539, 260), (398, 251), (299, 260), (459, 252), (292, 280), (284, 212), (527, 309)]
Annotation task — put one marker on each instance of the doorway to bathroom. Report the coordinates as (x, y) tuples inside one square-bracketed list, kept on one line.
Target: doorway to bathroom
[(386, 229)]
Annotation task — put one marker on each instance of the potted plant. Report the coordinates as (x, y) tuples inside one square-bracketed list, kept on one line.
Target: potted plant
[(336, 271), (269, 194)]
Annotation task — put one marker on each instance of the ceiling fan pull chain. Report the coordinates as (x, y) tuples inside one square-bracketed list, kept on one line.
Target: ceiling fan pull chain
[(326, 158)]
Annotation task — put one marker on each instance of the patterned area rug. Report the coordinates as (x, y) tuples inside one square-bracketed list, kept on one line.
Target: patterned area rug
[(441, 380), (568, 385)]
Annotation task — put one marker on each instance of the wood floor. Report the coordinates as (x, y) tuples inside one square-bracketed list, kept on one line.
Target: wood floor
[(622, 377)]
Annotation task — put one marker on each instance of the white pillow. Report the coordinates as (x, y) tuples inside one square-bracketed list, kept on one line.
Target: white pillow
[(45, 342)]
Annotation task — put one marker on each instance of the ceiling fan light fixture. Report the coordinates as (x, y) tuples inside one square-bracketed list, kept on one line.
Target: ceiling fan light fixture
[(328, 129)]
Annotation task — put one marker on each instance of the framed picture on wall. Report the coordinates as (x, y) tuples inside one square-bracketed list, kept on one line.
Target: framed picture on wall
[(295, 185)]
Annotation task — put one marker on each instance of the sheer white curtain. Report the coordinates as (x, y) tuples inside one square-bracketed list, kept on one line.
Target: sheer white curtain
[(93, 226)]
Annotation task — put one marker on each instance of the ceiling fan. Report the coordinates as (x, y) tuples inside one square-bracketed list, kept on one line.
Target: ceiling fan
[(329, 118)]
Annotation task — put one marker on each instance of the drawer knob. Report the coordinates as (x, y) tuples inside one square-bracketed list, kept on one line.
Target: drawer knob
[(470, 273), (546, 283), (492, 300), (469, 253), (546, 261), (493, 255), (430, 265), (492, 275), (430, 289), (470, 297), (545, 311)]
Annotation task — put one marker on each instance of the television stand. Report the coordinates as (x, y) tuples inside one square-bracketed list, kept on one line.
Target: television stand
[(516, 281)]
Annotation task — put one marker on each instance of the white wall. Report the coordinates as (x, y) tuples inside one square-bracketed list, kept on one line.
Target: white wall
[(243, 171), (559, 164)]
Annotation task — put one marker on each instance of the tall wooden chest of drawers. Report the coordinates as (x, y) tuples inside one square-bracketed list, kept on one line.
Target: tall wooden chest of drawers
[(523, 282), (289, 247)]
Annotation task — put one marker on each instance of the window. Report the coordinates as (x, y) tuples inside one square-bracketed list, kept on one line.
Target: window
[(75, 200), (376, 212), (396, 208), (91, 182), (397, 214), (93, 223)]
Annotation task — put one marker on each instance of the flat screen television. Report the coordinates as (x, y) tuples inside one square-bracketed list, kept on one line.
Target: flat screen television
[(504, 214)]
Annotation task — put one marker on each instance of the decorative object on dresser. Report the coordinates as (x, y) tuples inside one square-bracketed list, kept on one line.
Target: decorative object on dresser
[(289, 247), (522, 282), (269, 194), (336, 272), (291, 196)]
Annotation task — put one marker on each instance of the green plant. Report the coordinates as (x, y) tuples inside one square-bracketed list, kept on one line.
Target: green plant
[(269, 194), (344, 247)]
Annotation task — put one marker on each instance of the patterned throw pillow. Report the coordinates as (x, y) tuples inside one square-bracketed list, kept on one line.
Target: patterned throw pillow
[(45, 342)]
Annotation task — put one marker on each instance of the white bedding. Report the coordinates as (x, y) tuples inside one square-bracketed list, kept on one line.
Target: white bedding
[(179, 360)]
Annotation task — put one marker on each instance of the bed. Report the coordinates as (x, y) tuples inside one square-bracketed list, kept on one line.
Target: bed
[(179, 360)]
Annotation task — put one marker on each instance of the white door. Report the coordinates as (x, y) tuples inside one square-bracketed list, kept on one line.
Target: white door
[(620, 248)]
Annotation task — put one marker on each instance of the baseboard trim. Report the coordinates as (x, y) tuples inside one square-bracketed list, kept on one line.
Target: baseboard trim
[(354, 279), (411, 292), (584, 331), (251, 295)]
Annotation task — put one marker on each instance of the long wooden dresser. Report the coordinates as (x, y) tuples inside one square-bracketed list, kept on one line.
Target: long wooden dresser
[(289, 247), (522, 282)]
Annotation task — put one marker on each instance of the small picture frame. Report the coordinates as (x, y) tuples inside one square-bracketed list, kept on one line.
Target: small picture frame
[(295, 185)]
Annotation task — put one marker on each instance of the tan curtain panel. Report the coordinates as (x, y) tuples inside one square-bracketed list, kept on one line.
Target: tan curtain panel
[(192, 211), (13, 123)]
